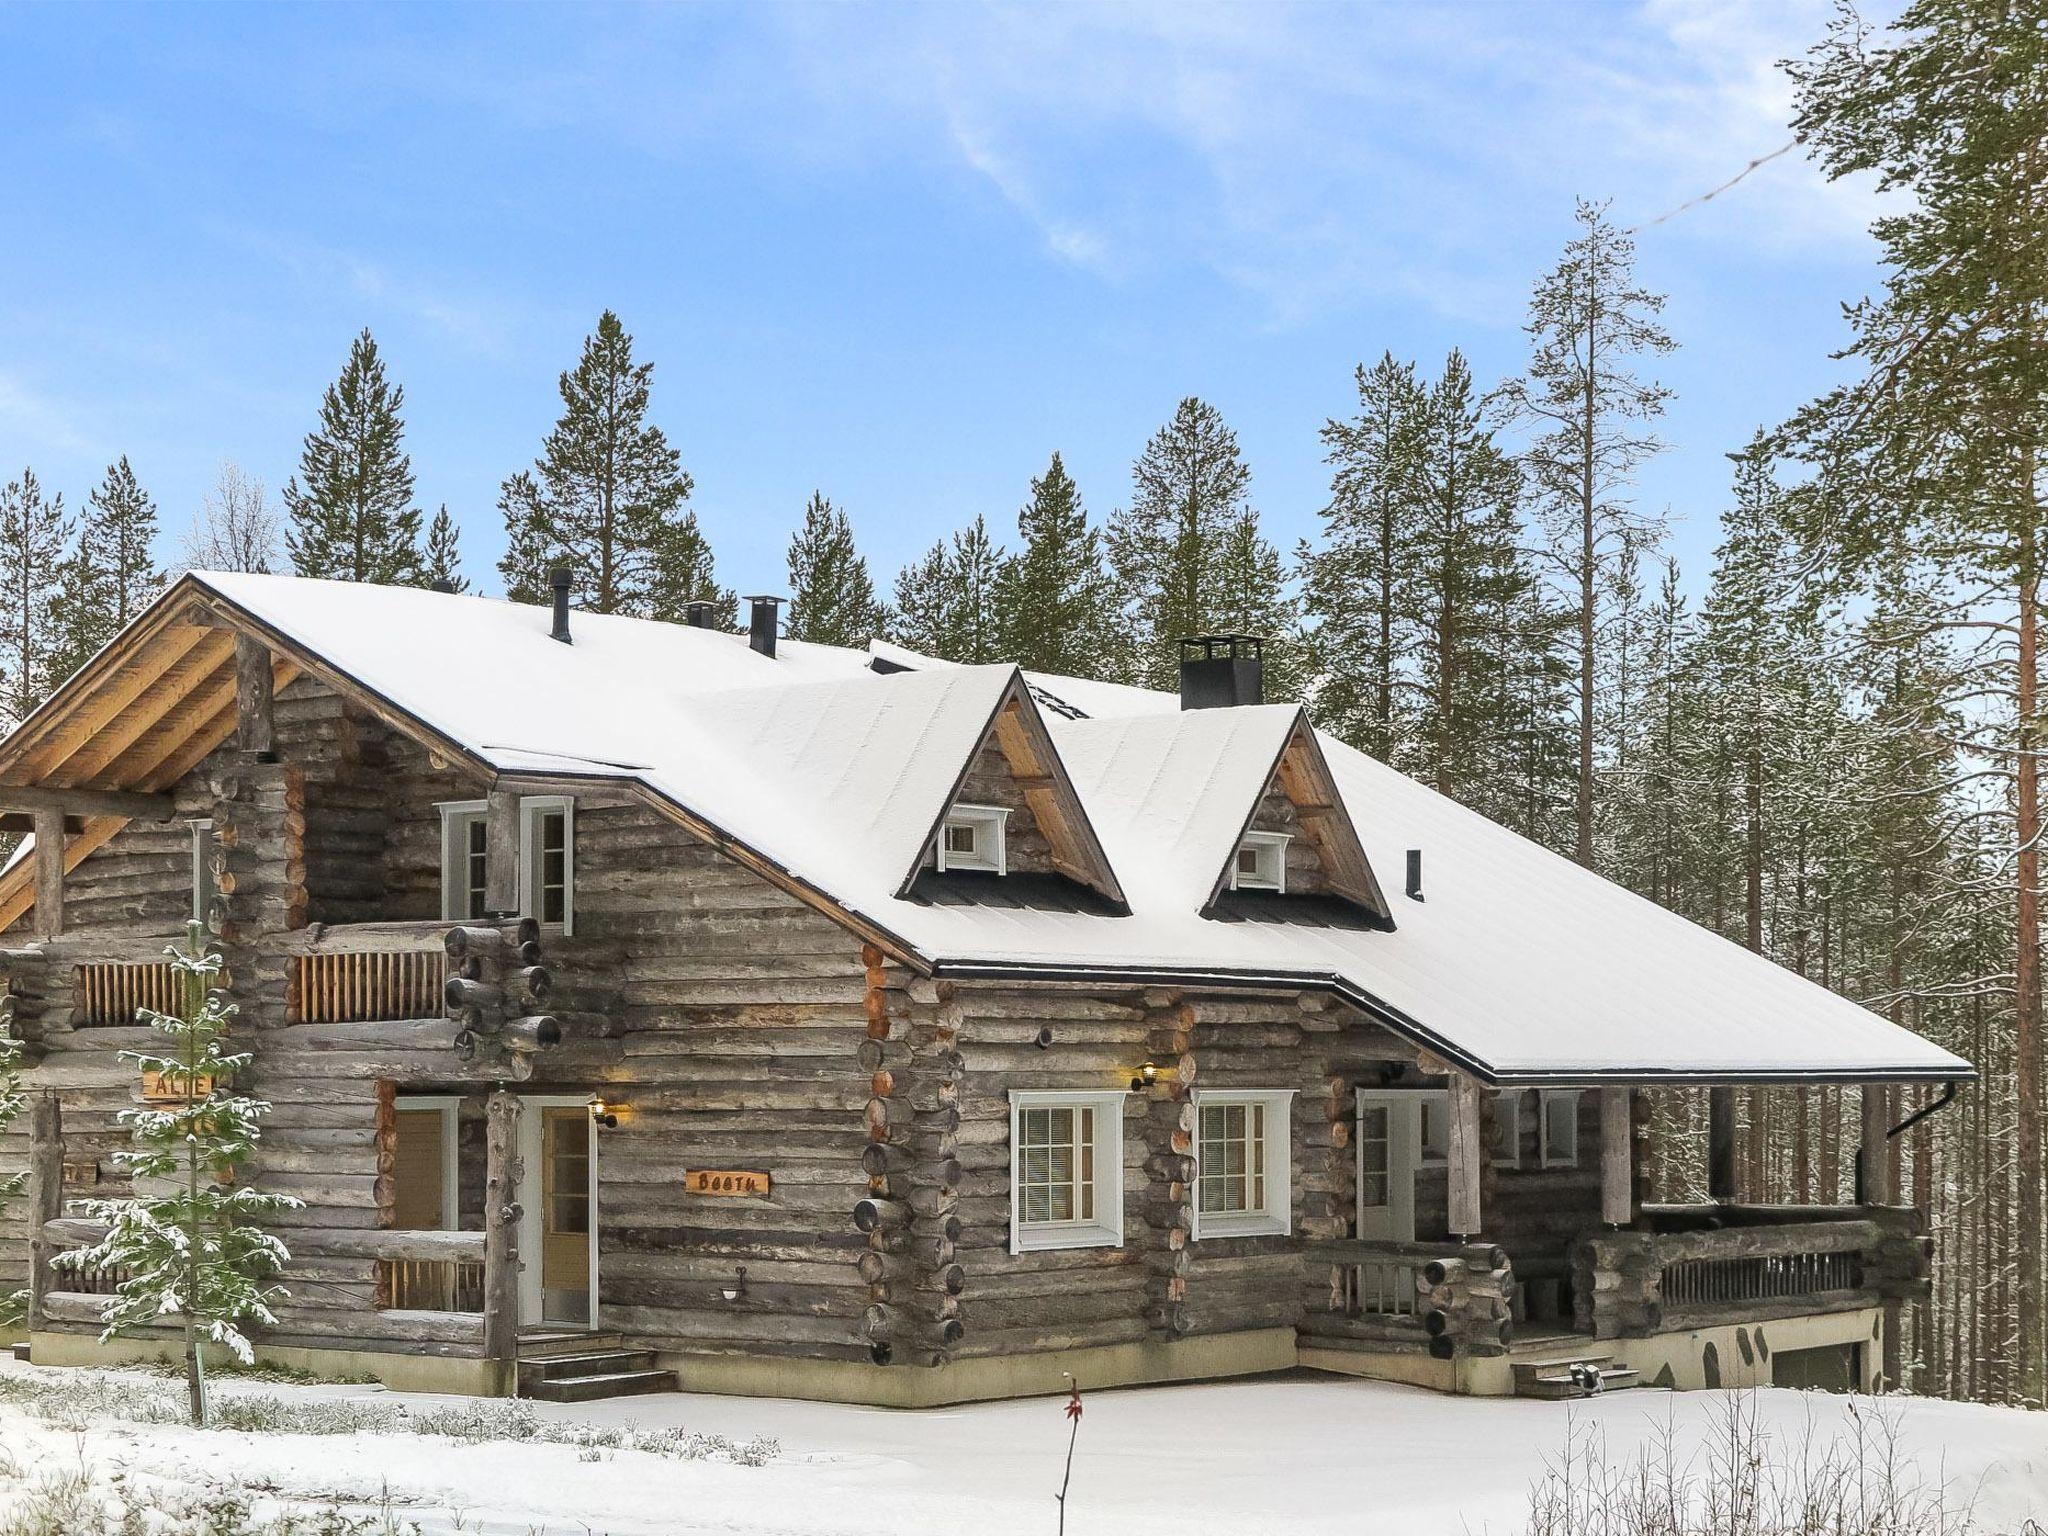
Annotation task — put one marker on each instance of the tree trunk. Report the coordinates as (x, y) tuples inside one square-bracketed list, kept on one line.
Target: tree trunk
[(2027, 965)]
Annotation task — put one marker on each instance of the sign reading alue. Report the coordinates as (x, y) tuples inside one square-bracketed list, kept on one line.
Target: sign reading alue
[(805, 1019)]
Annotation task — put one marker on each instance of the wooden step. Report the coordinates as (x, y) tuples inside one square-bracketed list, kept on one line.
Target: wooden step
[(21, 1352), (582, 1389), (1563, 1377), (589, 1362), (540, 1343)]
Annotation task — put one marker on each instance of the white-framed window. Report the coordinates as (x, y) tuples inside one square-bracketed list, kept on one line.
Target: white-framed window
[(1066, 1169), (1243, 1162), (1507, 1129), (547, 860), (203, 886), (1261, 862), (973, 837), (463, 840), (1560, 1127)]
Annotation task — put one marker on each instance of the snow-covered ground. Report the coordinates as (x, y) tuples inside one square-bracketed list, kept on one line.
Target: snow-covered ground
[(1298, 1454)]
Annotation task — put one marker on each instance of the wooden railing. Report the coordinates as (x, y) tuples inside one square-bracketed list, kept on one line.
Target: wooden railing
[(1454, 1295), (365, 973), (1753, 1265), (432, 1285), (110, 993)]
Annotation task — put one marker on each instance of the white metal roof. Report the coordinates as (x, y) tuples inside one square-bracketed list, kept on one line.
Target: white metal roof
[(1517, 963)]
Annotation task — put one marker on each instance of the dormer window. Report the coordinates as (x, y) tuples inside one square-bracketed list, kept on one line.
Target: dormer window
[(972, 838), (1261, 863)]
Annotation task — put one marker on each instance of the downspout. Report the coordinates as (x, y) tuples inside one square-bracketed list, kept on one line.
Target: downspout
[(1948, 1097)]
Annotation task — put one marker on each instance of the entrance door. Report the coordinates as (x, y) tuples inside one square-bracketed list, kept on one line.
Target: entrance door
[(558, 1276), (1389, 1151)]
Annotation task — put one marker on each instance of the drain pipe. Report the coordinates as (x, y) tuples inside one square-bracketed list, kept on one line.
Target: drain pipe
[(1933, 1106)]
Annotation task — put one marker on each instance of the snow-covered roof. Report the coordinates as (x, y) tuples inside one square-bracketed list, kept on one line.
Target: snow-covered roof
[(1518, 963)]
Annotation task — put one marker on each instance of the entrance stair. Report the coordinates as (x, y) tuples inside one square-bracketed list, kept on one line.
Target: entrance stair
[(565, 1366), (1556, 1376)]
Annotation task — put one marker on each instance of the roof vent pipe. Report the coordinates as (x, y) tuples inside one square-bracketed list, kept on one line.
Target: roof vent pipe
[(698, 615), (761, 623), (1415, 874), (558, 584), (1217, 671)]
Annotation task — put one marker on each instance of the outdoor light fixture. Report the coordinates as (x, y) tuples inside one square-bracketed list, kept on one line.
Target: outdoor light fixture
[(602, 1114), (1148, 1074), (738, 1289)]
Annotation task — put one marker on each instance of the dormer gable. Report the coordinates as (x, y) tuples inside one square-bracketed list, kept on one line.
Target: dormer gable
[(1298, 841), (1013, 811)]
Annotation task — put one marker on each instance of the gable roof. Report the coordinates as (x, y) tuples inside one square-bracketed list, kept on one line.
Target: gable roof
[(828, 777)]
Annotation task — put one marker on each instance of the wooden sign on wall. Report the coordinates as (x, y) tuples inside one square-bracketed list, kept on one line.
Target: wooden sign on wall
[(725, 1181), (159, 1089)]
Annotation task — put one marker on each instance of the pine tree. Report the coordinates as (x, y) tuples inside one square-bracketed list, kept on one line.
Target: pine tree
[(1587, 321), (352, 518), (236, 528), (195, 1250), (110, 575), (33, 534), (1465, 589), (1248, 587), (1362, 640), (946, 601), (1189, 487), (1942, 443), (608, 497), (1055, 598), (832, 597), (442, 566)]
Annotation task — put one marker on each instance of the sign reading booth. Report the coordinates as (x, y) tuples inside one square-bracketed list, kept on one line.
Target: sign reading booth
[(725, 1181)]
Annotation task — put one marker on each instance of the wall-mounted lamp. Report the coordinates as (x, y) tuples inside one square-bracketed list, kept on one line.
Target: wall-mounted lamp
[(1148, 1074), (737, 1291), (602, 1114)]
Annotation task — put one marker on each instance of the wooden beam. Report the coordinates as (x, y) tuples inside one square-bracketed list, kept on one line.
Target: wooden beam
[(39, 798), (49, 860), (45, 1197), (1464, 1157), (501, 853), (255, 730), (1721, 1143), (17, 886), (55, 746), (195, 674), (1617, 1158), (1874, 1167), (501, 1228)]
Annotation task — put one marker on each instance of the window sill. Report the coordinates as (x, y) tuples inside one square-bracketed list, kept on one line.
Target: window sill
[(1238, 1225), (1036, 1239)]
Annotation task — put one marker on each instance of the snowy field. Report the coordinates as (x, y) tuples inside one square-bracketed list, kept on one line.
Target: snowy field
[(1301, 1454)]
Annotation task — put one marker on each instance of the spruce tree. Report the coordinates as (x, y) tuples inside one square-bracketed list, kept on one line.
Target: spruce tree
[(195, 1250), (1248, 590), (1589, 321), (946, 600), (442, 566), (1189, 487), (831, 596), (608, 497), (1352, 582), (351, 511), (1057, 603), (33, 534), (111, 573)]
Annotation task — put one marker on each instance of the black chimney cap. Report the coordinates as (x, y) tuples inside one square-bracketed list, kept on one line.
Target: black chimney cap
[(762, 624), (443, 585), (699, 614), (559, 578), (1217, 671)]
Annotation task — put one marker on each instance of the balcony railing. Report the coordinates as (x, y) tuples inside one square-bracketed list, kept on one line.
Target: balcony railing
[(1456, 1296), (111, 993), (432, 1285), (365, 973)]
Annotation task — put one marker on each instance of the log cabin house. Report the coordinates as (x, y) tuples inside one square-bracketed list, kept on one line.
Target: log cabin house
[(644, 1003)]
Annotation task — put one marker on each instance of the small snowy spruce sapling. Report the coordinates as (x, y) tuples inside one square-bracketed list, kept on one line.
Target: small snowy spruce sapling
[(191, 1250)]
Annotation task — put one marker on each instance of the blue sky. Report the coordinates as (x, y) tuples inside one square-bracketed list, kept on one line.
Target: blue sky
[(900, 254)]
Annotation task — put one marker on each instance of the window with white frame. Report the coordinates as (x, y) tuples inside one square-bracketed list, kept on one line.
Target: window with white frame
[(972, 837), (1066, 1170), (1560, 1127), (547, 860), (1243, 1163), (203, 886), (1507, 1129), (462, 859), (1261, 862)]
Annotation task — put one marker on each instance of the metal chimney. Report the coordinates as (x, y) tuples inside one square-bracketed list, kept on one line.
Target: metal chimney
[(1217, 671), (1415, 874), (761, 623), (558, 584), (699, 615)]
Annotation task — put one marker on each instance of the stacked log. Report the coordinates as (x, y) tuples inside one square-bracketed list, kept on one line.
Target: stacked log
[(910, 1216), (1168, 1202), (497, 993), (25, 978), (1467, 1303)]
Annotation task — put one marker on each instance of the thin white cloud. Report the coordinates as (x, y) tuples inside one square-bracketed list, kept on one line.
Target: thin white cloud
[(472, 320)]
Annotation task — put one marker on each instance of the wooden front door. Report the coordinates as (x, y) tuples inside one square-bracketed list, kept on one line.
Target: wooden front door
[(565, 1214), (1389, 1142)]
